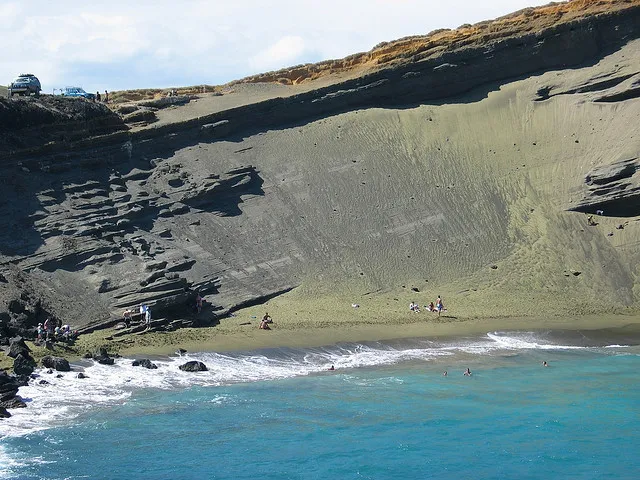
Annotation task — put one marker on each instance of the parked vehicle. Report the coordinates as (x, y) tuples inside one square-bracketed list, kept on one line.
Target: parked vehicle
[(25, 84), (77, 92)]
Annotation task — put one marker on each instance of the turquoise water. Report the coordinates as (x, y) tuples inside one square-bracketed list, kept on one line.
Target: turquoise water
[(386, 412)]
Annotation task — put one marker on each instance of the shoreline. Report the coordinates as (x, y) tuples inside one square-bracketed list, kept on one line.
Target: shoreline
[(238, 333), (225, 338)]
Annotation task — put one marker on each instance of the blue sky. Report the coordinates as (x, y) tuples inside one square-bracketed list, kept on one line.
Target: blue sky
[(126, 44)]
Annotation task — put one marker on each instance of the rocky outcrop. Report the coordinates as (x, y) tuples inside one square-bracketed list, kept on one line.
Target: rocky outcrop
[(17, 347), (612, 190), (193, 366), (33, 122), (8, 394), (57, 363), (23, 365)]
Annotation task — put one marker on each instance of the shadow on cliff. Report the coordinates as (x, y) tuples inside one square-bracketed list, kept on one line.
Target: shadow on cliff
[(78, 203)]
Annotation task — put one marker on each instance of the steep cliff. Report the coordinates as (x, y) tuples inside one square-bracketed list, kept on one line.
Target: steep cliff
[(441, 165)]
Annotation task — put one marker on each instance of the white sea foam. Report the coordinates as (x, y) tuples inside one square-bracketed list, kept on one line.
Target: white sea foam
[(526, 341), (63, 399)]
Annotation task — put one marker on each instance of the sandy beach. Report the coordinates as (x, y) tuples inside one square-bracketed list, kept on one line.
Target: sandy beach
[(302, 322)]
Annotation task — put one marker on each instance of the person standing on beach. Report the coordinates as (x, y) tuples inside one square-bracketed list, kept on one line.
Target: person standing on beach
[(439, 305), (147, 317), (106, 97), (126, 317)]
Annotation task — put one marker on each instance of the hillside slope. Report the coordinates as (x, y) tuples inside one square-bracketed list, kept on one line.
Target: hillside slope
[(456, 176)]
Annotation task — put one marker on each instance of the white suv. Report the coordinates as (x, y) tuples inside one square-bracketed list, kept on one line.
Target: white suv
[(25, 84)]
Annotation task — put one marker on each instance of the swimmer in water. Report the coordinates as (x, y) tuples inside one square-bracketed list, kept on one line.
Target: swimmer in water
[(467, 372)]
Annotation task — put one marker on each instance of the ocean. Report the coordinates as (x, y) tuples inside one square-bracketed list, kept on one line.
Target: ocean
[(386, 412)]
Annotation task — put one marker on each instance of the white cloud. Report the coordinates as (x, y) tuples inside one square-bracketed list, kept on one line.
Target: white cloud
[(285, 51)]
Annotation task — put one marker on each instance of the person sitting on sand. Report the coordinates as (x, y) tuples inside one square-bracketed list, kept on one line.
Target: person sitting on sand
[(467, 372), (412, 306), (264, 325), (266, 318), (431, 307)]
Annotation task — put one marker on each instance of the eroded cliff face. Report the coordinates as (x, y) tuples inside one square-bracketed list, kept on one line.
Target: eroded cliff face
[(454, 170)]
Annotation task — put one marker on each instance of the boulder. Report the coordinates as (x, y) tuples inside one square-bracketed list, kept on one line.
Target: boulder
[(193, 366), (81, 375), (102, 357), (58, 363), (18, 347), (4, 413), (23, 365), (13, 402), (8, 384), (146, 363)]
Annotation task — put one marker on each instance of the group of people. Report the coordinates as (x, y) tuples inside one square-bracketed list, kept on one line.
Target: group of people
[(53, 330), (437, 307), (145, 312), (99, 97), (145, 315)]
